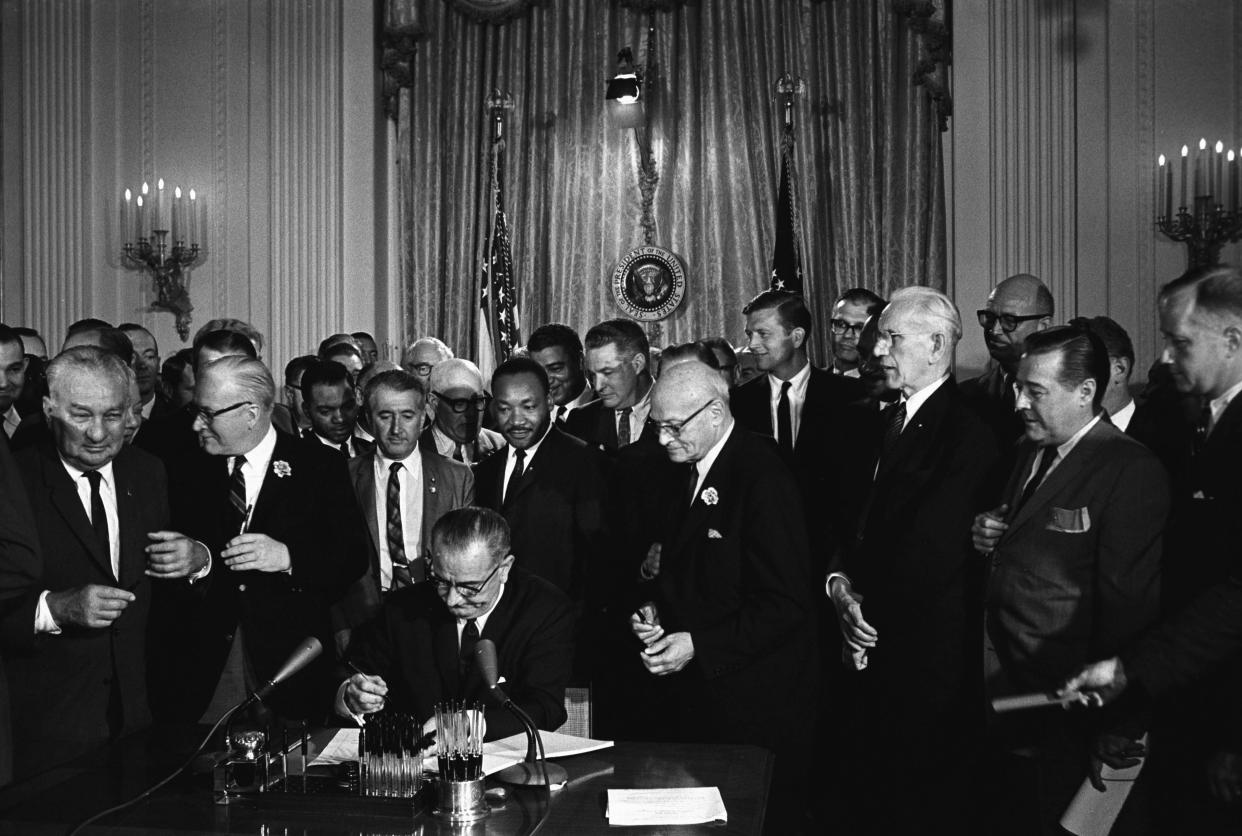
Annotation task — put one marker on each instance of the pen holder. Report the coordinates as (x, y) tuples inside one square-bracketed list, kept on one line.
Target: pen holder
[(460, 802)]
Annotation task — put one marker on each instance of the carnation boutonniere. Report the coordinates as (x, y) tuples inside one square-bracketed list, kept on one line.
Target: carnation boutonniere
[(709, 496), (282, 468)]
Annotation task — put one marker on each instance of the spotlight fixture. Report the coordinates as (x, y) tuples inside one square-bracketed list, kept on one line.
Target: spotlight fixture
[(626, 87)]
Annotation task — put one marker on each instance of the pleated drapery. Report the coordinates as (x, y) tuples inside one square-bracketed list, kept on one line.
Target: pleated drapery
[(868, 153)]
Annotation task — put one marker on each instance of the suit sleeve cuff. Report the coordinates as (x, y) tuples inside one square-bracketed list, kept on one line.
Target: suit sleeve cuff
[(44, 623), (341, 708), (206, 570), (833, 576)]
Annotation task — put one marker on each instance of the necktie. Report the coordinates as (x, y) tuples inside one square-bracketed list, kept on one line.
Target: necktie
[(516, 475), (99, 517), (237, 492), (692, 482), (469, 639), (345, 448), (396, 538), (894, 422), (1203, 427), (1046, 458), (561, 412), (457, 456), (784, 420), (623, 428)]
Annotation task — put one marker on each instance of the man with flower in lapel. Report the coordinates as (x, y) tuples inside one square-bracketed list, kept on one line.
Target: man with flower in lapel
[(1074, 558), (286, 537), (730, 617)]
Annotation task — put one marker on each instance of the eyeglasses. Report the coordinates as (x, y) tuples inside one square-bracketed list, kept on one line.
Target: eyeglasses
[(423, 369), (465, 590), (209, 416), (674, 428), (840, 326), (459, 405), (1008, 322)]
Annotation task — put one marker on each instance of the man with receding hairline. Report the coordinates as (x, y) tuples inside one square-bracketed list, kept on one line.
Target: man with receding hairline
[(456, 401)]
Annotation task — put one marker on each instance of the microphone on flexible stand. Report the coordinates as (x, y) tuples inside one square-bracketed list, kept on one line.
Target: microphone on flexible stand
[(524, 774)]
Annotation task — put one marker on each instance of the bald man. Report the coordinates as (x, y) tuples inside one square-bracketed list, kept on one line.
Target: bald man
[(1017, 307), (457, 403), (730, 616)]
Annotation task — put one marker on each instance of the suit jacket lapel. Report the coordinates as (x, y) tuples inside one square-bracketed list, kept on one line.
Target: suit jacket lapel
[(540, 462), (364, 489), (274, 486), (67, 503), (435, 500), (133, 539), (1065, 474), (447, 651), (699, 511), (1230, 421)]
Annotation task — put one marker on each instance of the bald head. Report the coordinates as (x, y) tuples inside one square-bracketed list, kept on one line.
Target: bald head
[(690, 404), (1026, 291), (1017, 307), (454, 373)]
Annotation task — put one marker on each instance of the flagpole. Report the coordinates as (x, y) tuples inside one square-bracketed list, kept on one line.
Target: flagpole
[(787, 249), (495, 332)]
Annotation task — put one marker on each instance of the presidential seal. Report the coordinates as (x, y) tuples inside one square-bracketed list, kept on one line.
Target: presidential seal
[(649, 283)]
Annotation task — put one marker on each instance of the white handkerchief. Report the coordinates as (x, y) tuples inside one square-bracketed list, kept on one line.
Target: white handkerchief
[(676, 805), (713, 534)]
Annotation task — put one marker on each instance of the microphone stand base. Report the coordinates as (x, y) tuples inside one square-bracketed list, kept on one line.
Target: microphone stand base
[(526, 774)]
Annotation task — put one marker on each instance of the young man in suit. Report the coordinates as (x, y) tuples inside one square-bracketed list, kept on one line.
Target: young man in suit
[(618, 365), (74, 613), (914, 638), (287, 539), (403, 491), (420, 650), (1074, 555), (557, 348), (332, 406)]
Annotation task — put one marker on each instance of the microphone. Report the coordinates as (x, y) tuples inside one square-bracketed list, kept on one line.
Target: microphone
[(305, 653), (521, 774)]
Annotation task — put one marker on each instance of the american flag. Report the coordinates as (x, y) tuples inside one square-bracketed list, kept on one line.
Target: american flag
[(787, 253), (498, 314)]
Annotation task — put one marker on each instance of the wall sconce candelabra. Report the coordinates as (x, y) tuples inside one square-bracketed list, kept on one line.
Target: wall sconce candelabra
[(162, 235), (1212, 219)]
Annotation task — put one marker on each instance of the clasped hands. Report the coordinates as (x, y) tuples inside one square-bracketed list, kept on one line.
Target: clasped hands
[(859, 636), (663, 653)]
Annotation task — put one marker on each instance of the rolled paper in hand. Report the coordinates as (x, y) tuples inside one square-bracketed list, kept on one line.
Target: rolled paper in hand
[(1024, 701)]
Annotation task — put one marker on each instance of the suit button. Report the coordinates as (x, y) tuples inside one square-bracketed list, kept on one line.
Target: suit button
[(241, 587)]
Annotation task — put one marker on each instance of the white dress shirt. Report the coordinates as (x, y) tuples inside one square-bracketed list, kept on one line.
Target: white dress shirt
[(705, 464), (350, 445), (255, 469), (1063, 450), (586, 396), (1219, 405), (1121, 418), (638, 416), (511, 461), (410, 478), (797, 397), (11, 420)]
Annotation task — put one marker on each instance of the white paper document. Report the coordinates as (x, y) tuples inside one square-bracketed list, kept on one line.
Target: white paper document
[(1092, 813), (675, 805)]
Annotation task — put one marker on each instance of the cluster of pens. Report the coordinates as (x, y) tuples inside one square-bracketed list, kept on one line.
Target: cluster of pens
[(459, 733), (390, 759)]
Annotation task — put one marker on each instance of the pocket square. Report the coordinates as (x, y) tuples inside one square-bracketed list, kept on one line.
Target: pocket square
[(713, 534), (1199, 495), (1070, 520)]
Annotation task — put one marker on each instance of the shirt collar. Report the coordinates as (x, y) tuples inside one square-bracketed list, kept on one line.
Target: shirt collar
[(1122, 417), (1063, 450), (915, 401), (76, 473), (1219, 405), (412, 462), (480, 621), (584, 397), (797, 383), (705, 464), (532, 449), (260, 455)]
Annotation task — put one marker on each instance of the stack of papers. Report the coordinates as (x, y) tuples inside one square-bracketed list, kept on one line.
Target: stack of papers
[(678, 805)]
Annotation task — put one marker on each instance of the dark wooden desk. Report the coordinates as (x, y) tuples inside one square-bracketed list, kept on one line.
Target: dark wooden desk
[(51, 803)]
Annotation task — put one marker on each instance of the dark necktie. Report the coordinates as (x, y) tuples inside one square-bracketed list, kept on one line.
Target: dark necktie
[(457, 455), (396, 537), (894, 422), (345, 448), (1046, 458), (561, 412), (692, 483), (469, 640), (237, 492), (623, 428), (784, 420), (99, 517), (1203, 427), (516, 476)]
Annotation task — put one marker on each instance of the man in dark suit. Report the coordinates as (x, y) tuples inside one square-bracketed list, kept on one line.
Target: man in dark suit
[(730, 615), (75, 612), (1197, 729), (13, 364), (332, 406), (618, 365), (420, 650), (1075, 571), (287, 540), (1017, 307), (557, 348), (402, 491), (915, 641)]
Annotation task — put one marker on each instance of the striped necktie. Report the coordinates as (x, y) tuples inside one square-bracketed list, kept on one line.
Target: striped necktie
[(237, 492), (396, 535)]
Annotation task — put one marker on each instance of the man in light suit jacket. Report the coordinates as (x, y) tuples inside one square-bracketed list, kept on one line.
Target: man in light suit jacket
[(402, 491), (1075, 573)]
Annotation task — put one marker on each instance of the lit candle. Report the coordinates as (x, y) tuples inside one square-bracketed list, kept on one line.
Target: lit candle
[(1168, 189), (1218, 179), (1185, 174), (193, 218), (161, 208), (1201, 174), (142, 217), (178, 224), (127, 220), (1160, 170), (1233, 182)]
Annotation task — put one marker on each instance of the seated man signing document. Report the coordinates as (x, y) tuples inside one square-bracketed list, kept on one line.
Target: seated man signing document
[(419, 649)]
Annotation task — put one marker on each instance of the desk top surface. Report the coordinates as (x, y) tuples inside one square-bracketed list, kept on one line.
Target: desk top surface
[(52, 802)]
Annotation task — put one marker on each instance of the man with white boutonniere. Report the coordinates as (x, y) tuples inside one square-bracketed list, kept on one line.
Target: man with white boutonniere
[(730, 621), (286, 538)]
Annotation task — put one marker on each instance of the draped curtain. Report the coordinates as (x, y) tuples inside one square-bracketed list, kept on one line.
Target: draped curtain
[(870, 189)]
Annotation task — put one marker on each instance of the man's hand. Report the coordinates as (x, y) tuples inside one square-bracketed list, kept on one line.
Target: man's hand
[(645, 623), (858, 634), (1098, 683), (93, 605), (988, 528), (651, 564), (365, 694), (256, 552), (173, 555), (1224, 775), (669, 654), (1116, 751)]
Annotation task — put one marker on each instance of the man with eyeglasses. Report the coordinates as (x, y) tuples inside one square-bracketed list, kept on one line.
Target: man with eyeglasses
[(849, 316), (423, 355), (457, 402), (1017, 307), (286, 537), (902, 584), (420, 648), (730, 618)]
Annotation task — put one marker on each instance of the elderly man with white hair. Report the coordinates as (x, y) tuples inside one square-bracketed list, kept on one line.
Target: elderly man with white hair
[(457, 402), (906, 585), (423, 355)]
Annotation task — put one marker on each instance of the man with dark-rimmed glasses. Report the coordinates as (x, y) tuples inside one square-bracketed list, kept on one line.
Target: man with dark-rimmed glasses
[(420, 649), (457, 402)]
